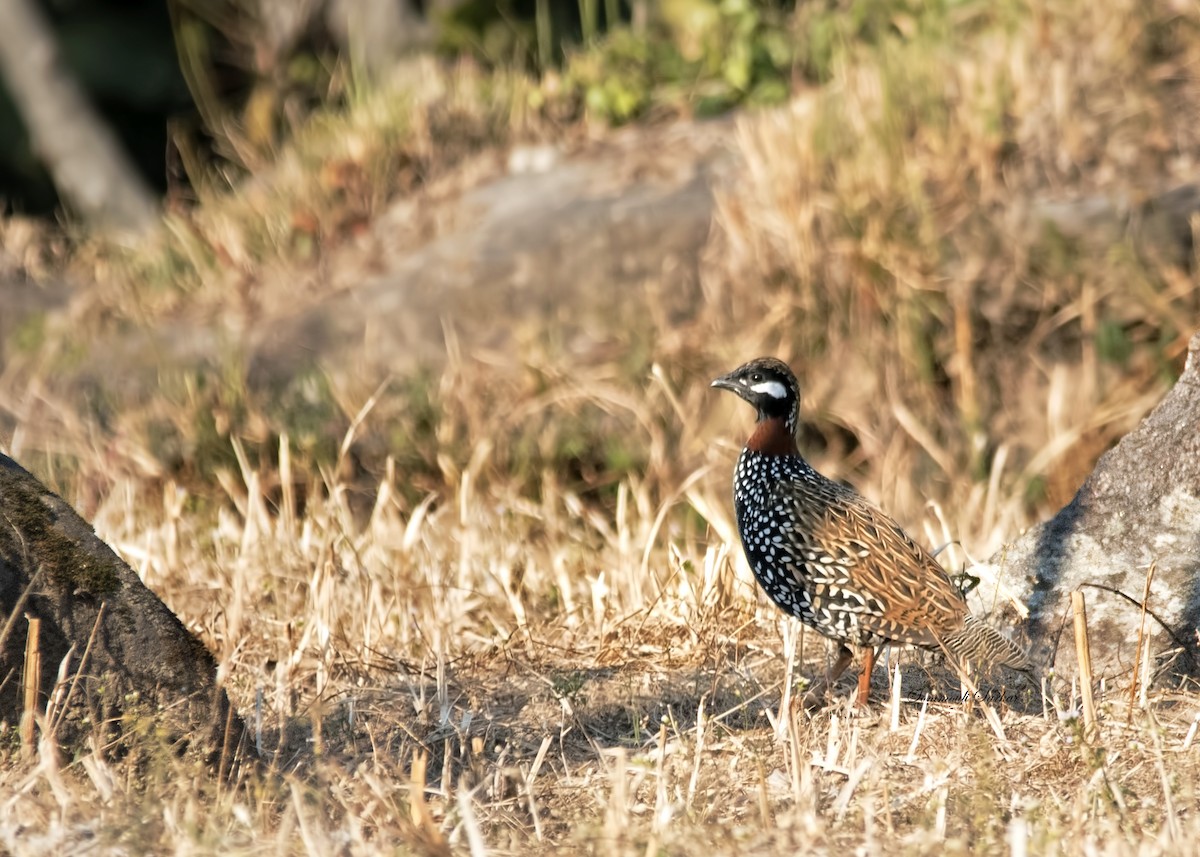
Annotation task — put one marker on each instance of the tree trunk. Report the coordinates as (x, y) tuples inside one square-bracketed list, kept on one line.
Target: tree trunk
[(88, 166)]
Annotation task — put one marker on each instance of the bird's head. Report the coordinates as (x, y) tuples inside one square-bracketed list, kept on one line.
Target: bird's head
[(769, 385)]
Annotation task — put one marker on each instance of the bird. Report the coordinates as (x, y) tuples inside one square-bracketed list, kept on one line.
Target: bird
[(826, 555)]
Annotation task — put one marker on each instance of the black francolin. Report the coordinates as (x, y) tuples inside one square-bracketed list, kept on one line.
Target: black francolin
[(833, 560)]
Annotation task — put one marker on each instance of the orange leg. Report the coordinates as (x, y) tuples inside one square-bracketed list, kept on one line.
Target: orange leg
[(864, 678)]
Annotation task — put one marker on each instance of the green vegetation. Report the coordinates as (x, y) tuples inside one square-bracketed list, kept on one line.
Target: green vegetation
[(705, 59)]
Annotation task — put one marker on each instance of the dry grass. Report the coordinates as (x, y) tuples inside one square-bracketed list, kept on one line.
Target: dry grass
[(487, 674), (504, 643)]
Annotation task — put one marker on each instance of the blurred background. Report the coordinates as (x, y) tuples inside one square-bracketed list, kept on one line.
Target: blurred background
[(172, 79), (969, 224)]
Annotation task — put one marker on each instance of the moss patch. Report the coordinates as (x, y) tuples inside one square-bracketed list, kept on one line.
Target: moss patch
[(30, 531)]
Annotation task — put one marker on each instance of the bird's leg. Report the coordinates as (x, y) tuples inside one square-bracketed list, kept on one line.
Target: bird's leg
[(816, 693), (864, 678)]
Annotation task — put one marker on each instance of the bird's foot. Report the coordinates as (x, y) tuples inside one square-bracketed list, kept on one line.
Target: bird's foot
[(815, 698)]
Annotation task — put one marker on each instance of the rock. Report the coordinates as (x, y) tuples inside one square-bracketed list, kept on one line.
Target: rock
[(1160, 225), (589, 246), (587, 250), (127, 655), (1139, 508)]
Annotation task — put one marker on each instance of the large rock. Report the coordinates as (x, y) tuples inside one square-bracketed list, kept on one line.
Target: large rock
[(130, 661), (587, 246), (1139, 508), (588, 249), (1160, 225)]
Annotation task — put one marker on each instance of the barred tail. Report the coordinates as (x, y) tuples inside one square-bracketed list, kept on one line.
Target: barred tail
[(981, 643)]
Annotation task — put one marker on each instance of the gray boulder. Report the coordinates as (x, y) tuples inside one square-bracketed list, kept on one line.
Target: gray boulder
[(130, 662), (1139, 508)]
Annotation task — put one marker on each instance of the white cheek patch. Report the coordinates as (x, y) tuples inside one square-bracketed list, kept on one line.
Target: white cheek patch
[(772, 388)]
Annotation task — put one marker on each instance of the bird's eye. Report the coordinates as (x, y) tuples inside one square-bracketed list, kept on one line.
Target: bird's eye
[(756, 377)]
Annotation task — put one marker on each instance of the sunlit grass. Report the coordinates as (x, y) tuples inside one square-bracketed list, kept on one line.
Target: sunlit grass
[(525, 672)]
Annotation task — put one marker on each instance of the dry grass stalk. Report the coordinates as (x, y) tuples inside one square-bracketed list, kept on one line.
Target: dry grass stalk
[(1084, 657), (466, 808), (64, 692), (1136, 682), (32, 683), (430, 831), (895, 706)]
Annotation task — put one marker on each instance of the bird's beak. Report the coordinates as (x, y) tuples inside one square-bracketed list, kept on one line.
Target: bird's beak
[(725, 382)]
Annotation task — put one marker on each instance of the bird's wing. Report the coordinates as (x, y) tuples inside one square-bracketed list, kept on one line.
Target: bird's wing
[(907, 596)]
